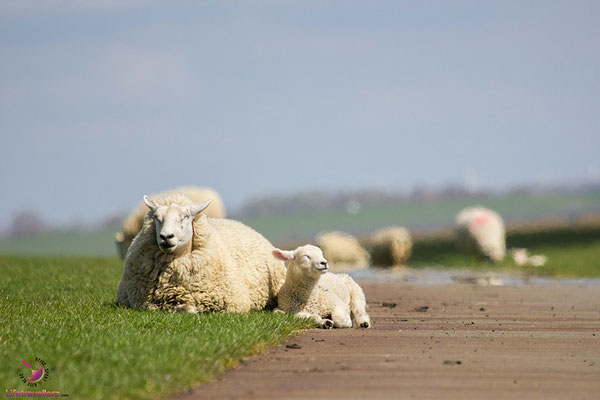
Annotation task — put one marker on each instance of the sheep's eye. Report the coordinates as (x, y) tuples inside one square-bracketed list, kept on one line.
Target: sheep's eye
[(307, 256), (185, 217)]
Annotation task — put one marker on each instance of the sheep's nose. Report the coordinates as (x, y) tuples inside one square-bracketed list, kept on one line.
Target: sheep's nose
[(324, 263), (167, 236)]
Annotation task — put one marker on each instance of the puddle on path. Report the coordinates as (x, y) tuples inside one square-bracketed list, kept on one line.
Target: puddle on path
[(444, 276)]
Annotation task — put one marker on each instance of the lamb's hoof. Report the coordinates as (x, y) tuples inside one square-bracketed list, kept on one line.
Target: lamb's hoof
[(327, 324), (364, 324)]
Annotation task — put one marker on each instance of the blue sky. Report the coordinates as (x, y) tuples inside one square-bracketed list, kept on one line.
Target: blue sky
[(101, 102)]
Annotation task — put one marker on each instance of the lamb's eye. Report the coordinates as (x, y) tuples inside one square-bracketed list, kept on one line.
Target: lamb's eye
[(185, 217), (308, 257)]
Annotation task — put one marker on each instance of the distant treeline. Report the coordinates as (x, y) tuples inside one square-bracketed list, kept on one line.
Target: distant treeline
[(28, 223), (353, 200)]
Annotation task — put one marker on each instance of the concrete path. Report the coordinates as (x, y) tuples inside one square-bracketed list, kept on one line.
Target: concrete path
[(456, 341)]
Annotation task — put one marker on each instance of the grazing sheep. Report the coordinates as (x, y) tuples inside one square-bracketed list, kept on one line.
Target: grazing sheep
[(342, 250), (480, 231), (133, 223), (389, 246), (184, 261), (331, 300)]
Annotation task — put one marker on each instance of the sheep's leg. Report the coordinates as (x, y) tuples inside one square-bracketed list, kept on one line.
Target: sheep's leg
[(186, 308), (341, 317), (321, 322), (358, 304)]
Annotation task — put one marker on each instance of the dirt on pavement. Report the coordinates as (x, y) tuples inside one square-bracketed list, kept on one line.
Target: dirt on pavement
[(456, 341)]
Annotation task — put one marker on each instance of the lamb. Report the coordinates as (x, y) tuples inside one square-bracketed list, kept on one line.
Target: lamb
[(342, 250), (480, 231), (389, 246), (133, 223), (309, 291), (184, 261)]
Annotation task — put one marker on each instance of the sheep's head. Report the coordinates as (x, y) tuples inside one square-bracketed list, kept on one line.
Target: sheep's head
[(307, 259), (173, 223), (122, 244)]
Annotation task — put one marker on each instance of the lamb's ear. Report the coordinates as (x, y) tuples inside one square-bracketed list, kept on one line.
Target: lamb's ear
[(283, 255), (151, 204), (197, 208)]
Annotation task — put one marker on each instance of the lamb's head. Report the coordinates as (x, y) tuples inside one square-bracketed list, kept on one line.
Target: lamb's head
[(307, 260), (173, 223)]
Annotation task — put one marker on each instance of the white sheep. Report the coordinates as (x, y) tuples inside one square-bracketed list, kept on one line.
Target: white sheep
[(522, 258), (133, 223), (480, 231), (331, 300), (184, 261), (342, 251), (391, 246)]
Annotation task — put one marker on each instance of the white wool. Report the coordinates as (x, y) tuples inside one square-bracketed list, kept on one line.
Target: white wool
[(184, 261), (331, 300), (481, 231)]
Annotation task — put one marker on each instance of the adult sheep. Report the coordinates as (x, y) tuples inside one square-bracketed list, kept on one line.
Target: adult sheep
[(184, 261), (480, 231), (342, 250), (389, 246), (133, 223)]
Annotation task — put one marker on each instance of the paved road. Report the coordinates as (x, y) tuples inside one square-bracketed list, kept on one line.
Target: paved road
[(456, 341)]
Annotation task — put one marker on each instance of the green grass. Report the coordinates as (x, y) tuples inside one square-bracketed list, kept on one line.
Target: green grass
[(62, 310), (571, 252)]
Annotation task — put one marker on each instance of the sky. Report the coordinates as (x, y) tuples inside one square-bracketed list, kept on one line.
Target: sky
[(104, 101)]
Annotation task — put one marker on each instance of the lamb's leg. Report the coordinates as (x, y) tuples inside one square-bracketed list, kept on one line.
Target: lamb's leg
[(341, 316), (358, 304), (321, 322)]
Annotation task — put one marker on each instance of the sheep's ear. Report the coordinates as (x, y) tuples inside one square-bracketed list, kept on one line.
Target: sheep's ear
[(199, 207), (283, 255), (151, 204), (119, 237)]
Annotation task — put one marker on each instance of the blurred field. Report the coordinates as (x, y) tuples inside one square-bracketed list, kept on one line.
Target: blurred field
[(572, 250), (96, 243), (427, 215), (61, 309), (418, 216)]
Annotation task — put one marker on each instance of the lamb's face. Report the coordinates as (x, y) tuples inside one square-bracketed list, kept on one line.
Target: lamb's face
[(307, 260), (173, 224)]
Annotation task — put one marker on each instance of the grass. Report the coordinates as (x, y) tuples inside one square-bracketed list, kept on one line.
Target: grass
[(571, 252), (61, 309), (95, 243)]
